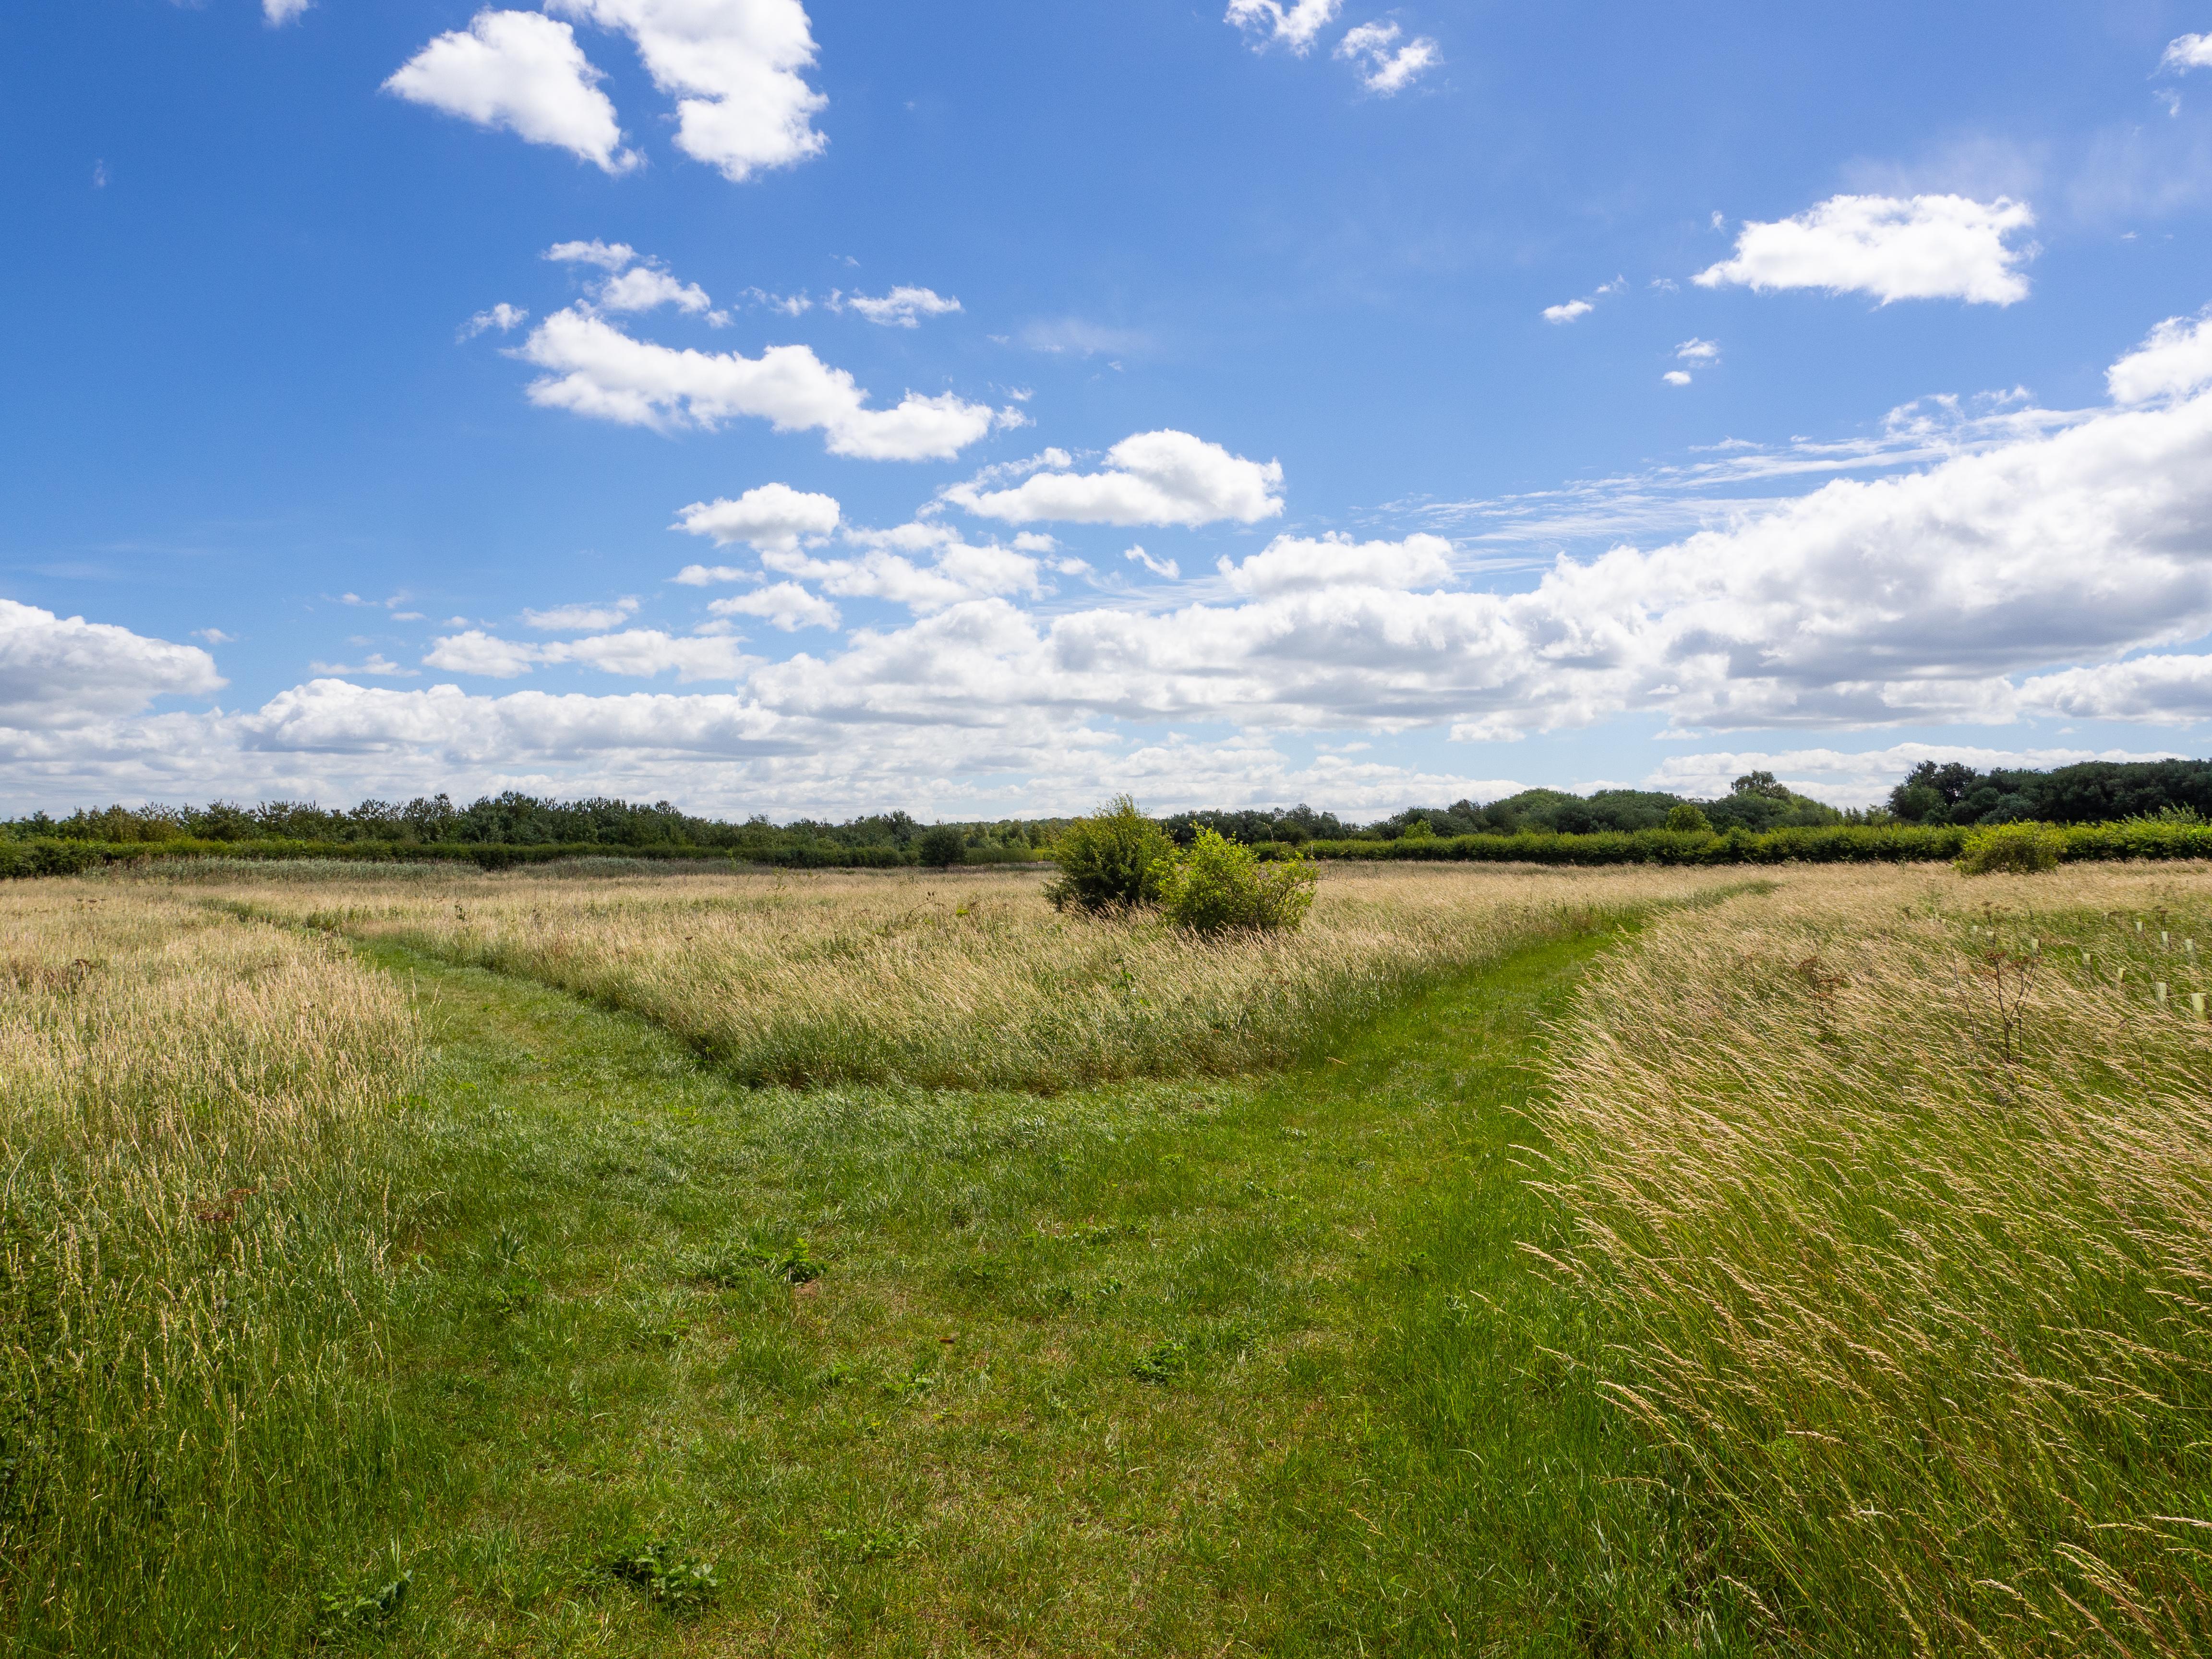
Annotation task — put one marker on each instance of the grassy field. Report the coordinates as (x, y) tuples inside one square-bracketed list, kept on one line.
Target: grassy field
[(951, 980), (1607, 1262)]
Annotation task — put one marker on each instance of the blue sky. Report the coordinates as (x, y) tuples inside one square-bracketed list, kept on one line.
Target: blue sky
[(368, 362)]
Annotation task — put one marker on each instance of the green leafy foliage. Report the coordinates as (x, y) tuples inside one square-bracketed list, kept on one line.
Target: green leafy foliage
[(736, 1261), (664, 1572), (344, 1614), (2094, 792), (941, 846), (1111, 861), (494, 832), (1215, 886), (2019, 848), (1688, 817), (1163, 1362)]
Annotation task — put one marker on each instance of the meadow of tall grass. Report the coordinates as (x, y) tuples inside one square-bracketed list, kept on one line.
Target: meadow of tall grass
[(193, 1115), (966, 979), (1877, 1203), (1893, 1197)]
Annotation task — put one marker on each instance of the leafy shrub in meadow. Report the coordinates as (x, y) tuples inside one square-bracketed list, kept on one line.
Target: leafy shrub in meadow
[(1215, 886), (2019, 848), (1111, 861), (941, 846)]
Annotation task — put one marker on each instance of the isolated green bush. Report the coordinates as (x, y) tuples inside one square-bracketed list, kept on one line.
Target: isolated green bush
[(941, 846), (1216, 886), (1109, 861), (2021, 848), (1688, 816)]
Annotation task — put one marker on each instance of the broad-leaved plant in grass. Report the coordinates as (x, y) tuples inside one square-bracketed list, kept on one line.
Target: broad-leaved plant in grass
[(1216, 886), (1111, 861)]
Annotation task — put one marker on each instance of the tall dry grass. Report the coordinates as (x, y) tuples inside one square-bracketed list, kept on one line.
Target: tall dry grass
[(191, 1245), (963, 979), (1898, 1216)]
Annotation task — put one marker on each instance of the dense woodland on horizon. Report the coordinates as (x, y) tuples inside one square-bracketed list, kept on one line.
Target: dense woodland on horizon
[(1950, 793)]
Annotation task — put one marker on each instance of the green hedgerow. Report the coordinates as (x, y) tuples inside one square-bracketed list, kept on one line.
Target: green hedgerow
[(2021, 848), (1109, 861), (1216, 886)]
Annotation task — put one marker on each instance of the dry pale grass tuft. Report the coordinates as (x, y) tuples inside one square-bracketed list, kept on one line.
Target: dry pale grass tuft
[(963, 980), (190, 1108), (1900, 1217)]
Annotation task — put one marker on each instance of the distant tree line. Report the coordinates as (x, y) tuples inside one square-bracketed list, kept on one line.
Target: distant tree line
[(2096, 791), (514, 819)]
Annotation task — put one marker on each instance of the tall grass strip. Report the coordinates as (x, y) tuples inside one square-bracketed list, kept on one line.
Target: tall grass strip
[(192, 1249), (1900, 1241)]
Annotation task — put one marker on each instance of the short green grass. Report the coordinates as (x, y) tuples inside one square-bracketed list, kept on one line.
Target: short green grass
[(684, 1367)]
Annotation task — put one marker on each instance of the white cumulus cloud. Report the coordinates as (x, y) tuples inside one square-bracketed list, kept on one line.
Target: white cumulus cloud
[(2058, 568), (639, 652), (276, 13), (57, 671), (644, 287), (577, 618), (524, 72), (2164, 688), (769, 515), (607, 256), (2175, 360), (1269, 22), (593, 369), (923, 567), (1855, 778), (735, 68), (1289, 563), (891, 566), (502, 317), (1921, 247), (1568, 311), (2187, 52), (1384, 65), (787, 604), (897, 309), (1165, 478), (375, 665)]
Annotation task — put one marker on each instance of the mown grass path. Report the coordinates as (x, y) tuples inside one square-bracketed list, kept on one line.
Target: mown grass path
[(1174, 1367)]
